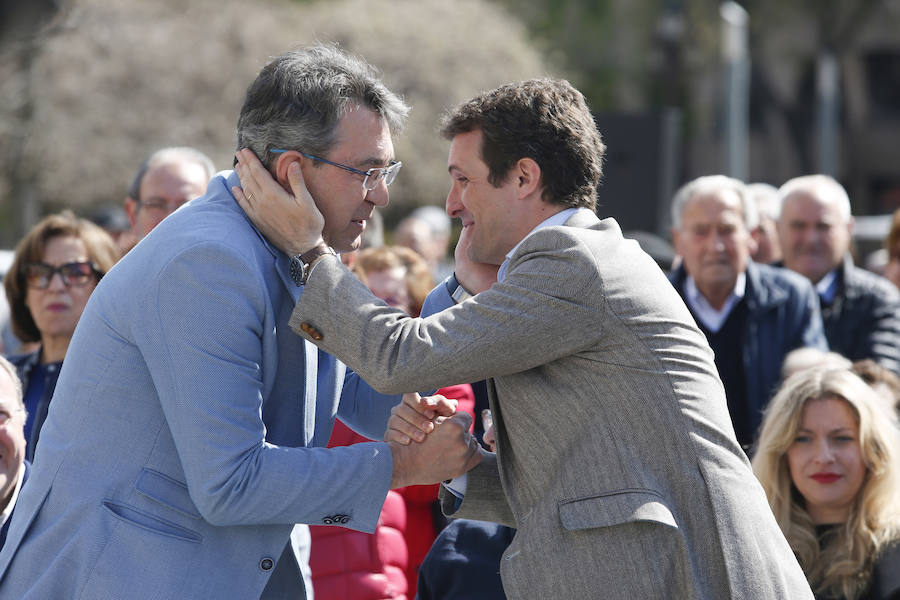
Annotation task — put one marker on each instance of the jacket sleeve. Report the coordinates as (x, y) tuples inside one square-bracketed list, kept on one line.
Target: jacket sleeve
[(484, 500), (201, 338), (533, 317)]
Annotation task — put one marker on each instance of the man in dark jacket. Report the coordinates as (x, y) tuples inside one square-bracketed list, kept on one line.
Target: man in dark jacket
[(752, 315), (860, 310)]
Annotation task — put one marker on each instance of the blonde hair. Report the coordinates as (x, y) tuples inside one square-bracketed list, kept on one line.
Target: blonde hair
[(418, 276), (842, 566)]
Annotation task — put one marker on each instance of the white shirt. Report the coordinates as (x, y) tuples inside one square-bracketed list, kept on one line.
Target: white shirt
[(4, 516), (827, 287), (712, 318), (457, 486)]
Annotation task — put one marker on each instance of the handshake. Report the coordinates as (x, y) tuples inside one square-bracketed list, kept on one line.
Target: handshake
[(430, 441)]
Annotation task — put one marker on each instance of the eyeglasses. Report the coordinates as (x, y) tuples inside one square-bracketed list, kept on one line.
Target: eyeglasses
[(161, 205), (372, 177), (78, 274)]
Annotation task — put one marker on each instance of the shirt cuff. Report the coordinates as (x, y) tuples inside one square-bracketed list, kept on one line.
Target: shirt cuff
[(457, 485)]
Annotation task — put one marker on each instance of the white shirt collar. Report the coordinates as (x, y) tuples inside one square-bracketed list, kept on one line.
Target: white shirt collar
[(557, 219), (712, 318), (827, 286), (4, 516)]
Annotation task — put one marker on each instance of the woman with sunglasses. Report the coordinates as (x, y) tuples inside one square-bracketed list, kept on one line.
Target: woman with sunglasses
[(56, 267)]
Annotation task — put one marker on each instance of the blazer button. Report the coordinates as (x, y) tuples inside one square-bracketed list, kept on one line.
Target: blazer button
[(266, 564), (336, 519), (311, 331)]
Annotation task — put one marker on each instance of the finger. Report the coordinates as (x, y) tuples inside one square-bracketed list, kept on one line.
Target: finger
[(418, 424), (421, 405), (242, 200), (441, 405), (401, 432), (295, 178), (255, 178), (475, 457), (464, 419), (249, 188)]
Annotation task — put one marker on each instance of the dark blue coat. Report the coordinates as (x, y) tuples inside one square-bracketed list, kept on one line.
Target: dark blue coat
[(464, 562), (782, 315), (25, 364), (863, 320)]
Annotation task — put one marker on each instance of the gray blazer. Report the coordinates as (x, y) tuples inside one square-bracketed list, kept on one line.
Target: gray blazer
[(616, 459), (179, 448)]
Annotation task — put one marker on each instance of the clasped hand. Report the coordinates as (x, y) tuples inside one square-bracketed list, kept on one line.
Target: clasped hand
[(430, 441)]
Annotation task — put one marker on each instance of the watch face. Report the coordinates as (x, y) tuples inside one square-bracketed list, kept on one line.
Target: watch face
[(298, 271)]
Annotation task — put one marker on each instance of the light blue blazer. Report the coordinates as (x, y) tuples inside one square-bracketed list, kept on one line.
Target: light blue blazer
[(185, 436)]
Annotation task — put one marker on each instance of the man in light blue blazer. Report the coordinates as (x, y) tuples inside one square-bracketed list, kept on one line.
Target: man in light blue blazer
[(187, 433)]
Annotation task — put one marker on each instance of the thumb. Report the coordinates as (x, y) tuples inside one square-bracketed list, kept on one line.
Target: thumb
[(295, 178)]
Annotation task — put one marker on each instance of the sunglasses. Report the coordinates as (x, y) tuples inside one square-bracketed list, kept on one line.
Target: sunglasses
[(78, 274)]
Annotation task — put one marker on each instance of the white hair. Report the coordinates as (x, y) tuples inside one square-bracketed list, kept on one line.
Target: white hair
[(7, 366), (708, 184), (822, 187)]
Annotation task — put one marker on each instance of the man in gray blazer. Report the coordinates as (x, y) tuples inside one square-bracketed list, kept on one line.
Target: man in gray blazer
[(616, 459), (187, 432)]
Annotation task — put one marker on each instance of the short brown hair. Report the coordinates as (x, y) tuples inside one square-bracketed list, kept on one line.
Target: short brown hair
[(101, 249), (546, 120), (419, 280)]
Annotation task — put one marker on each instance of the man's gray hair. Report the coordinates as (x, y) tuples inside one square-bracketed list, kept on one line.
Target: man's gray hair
[(822, 187), (7, 366), (175, 154), (766, 199), (708, 184), (298, 99)]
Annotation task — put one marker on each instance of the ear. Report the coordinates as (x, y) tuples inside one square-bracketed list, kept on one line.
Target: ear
[(675, 237), (528, 177), (131, 209), (753, 241), (280, 168)]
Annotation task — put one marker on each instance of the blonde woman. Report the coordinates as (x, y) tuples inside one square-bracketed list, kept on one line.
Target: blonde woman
[(829, 462)]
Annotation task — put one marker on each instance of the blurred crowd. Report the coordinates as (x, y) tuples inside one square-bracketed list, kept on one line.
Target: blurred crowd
[(806, 342)]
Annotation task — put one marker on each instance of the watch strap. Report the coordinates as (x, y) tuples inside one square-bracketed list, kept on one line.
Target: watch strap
[(302, 264)]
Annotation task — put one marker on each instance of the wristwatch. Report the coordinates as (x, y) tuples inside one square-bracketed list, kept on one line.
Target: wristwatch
[(457, 291), (302, 264)]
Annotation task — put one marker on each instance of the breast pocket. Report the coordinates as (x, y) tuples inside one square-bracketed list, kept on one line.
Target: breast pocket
[(615, 508)]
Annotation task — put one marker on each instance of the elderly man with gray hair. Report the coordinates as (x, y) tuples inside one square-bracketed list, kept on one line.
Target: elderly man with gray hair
[(752, 314), (14, 469), (166, 179), (860, 310)]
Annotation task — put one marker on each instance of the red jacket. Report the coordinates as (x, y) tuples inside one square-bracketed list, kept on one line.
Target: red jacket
[(382, 565)]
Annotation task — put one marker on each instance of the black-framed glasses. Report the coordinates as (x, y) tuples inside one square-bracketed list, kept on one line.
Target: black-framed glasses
[(78, 274), (371, 178)]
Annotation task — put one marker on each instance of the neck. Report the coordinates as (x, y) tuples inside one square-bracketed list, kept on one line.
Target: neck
[(716, 296), (53, 348)]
